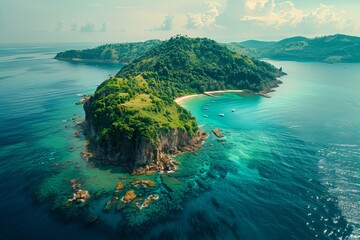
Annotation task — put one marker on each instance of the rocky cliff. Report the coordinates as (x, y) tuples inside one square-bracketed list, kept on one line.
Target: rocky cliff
[(138, 150)]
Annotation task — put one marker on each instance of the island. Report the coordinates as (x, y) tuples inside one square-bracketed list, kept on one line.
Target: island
[(133, 120)]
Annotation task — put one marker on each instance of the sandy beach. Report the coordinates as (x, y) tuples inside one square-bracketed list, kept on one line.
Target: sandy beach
[(224, 91), (183, 99)]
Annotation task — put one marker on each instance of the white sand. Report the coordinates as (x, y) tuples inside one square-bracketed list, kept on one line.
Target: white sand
[(183, 99), (224, 91)]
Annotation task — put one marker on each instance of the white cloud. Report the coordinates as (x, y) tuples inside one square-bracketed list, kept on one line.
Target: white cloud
[(204, 20), (271, 14), (325, 15), (285, 14), (255, 4), (289, 13)]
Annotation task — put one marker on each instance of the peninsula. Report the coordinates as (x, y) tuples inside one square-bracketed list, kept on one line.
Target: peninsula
[(123, 53), (133, 120)]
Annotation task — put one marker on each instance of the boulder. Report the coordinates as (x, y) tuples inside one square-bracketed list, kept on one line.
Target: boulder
[(217, 133)]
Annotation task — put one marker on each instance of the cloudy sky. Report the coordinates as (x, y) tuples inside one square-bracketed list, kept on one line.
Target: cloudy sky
[(39, 21)]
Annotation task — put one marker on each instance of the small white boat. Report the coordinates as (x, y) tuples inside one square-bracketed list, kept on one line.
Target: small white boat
[(221, 114), (233, 110), (205, 116)]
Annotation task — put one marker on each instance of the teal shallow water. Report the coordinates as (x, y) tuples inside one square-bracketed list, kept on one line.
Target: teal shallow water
[(289, 168), (303, 143)]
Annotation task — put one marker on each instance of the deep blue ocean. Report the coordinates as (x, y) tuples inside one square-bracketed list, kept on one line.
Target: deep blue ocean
[(289, 167)]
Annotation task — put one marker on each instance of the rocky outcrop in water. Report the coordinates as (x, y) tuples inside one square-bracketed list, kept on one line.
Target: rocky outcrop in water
[(218, 133)]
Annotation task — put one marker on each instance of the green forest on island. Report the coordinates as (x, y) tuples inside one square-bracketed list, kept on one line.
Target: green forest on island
[(139, 100)]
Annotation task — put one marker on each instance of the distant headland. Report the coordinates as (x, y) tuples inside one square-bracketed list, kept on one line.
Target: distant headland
[(331, 49)]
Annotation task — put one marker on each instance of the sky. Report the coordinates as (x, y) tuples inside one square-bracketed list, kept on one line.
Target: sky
[(109, 21)]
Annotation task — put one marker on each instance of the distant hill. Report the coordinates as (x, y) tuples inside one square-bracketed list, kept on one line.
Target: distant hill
[(334, 48), (117, 53)]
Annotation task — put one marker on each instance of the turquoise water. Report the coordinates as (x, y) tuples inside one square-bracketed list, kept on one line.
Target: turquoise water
[(297, 153), (288, 168)]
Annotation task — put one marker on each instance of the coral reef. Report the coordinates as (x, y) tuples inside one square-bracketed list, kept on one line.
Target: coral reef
[(87, 155), (129, 196), (143, 183), (74, 183), (80, 195), (147, 201), (119, 186)]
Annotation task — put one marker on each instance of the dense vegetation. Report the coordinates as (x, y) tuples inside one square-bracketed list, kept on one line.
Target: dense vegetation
[(120, 52), (139, 101), (335, 48)]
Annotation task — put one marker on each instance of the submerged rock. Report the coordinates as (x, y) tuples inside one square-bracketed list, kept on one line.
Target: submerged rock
[(109, 203), (87, 154), (119, 186), (150, 198), (217, 133), (143, 183), (92, 221), (80, 195), (129, 196)]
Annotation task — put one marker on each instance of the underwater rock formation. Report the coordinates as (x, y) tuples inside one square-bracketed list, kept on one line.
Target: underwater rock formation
[(80, 195), (119, 186), (129, 196), (217, 133), (147, 201)]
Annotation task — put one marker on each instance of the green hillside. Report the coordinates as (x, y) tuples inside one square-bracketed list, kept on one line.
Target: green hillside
[(118, 53), (335, 48)]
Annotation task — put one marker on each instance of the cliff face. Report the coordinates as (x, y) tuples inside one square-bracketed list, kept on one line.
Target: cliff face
[(138, 150)]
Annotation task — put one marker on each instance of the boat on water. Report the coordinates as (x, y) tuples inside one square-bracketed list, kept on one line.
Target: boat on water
[(221, 114), (205, 108), (205, 116), (233, 110)]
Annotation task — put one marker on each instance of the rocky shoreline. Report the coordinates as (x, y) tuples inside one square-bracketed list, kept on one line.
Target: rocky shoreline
[(139, 156)]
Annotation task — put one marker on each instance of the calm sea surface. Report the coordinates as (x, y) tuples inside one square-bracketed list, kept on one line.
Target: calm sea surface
[(289, 167)]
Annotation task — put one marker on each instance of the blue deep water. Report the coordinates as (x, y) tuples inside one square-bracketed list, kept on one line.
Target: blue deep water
[(289, 167)]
